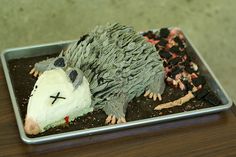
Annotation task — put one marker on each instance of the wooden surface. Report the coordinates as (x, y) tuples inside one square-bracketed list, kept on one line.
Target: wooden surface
[(211, 135)]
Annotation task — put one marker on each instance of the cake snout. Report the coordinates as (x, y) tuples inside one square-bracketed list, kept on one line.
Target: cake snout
[(31, 126)]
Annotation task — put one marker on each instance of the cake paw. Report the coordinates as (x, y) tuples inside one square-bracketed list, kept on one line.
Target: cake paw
[(111, 119), (44, 65), (35, 73), (153, 95)]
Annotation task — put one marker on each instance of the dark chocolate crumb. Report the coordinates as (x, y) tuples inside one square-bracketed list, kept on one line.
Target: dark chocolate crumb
[(179, 42), (174, 49), (189, 69), (162, 42), (176, 70), (164, 32), (165, 54), (199, 81), (187, 85), (149, 34), (201, 93), (212, 98), (175, 61)]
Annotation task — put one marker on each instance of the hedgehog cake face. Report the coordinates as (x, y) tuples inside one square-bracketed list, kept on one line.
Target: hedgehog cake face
[(55, 97)]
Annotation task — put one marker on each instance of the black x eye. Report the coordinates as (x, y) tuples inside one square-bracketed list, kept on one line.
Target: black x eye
[(56, 97)]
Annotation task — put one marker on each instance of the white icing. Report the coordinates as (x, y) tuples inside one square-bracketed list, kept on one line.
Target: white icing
[(40, 107)]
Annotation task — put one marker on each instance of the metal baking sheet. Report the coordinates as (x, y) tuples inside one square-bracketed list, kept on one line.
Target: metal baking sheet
[(45, 49)]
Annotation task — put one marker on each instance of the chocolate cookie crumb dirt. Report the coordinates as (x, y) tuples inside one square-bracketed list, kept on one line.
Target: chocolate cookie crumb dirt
[(138, 108)]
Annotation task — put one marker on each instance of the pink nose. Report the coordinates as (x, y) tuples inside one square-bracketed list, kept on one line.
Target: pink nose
[(31, 126)]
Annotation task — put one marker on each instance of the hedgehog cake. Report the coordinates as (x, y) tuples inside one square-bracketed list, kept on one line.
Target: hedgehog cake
[(105, 70)]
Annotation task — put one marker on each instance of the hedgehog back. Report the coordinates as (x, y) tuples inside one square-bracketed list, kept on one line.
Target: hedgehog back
[(116, 60)]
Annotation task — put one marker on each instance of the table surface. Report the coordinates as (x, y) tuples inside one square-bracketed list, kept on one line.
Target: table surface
[(210, 135)]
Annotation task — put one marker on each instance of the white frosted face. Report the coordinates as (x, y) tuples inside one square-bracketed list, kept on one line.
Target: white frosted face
[(54, 97)]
